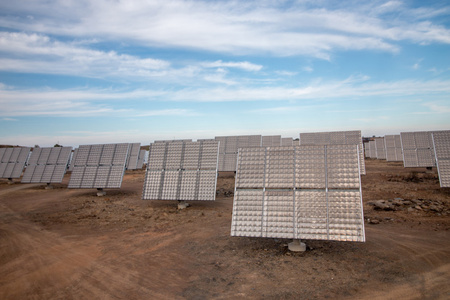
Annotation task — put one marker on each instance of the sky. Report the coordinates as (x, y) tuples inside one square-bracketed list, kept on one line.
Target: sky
[(84, 72)]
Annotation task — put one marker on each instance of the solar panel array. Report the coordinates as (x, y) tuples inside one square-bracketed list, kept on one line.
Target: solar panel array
[(229, 146), (181, 171), (271, 140), (47, 165), (133, 156), (380, 148), (393, 146), (99, 166), (299, 192), (373, 149), (287, 142), (12, 161), (441, 142), (336, 138), (417, 149)]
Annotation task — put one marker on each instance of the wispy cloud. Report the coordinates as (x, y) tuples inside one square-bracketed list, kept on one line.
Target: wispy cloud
[(9, 119), (232, 26), (244, 65)]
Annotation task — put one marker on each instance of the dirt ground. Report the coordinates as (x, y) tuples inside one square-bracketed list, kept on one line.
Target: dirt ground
[(70, 244)]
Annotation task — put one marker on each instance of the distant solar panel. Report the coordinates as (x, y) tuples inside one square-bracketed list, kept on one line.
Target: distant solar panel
[(133, 156), (141, 159), (380, 148), (373, 149), (99, 166), (393, 147), (336, 138), (47, 165), (299, 192), (366, 149), (441, 143), (418, 149), (229, 146), (181, 171), (271, 141), (287, 142), (12, 161)]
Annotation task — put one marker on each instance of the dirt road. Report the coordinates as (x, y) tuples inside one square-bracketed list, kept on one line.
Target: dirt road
[(71, 244)]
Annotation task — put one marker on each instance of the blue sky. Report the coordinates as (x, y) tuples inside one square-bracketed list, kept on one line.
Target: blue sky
[(81, 72)]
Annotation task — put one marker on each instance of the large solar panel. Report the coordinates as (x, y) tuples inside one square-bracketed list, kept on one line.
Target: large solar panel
[(336, 138), (99, 166), (380, 148), (418, 149), (441, 143), (12, 161), (229, 146), (393, 147), (181, 170), (299, 192), (133, 156), (47, 165), (271, 140)]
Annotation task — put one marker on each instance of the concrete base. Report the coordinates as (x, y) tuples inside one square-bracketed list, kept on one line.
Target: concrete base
[(49, 187), (10, 181), (183, 204), (100, 193), (297, 246)]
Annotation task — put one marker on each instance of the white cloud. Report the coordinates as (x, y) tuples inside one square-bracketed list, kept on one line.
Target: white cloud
[(244, 65), (231, 26)]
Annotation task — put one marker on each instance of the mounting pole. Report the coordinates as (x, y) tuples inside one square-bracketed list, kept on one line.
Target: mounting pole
[(100, 192), (183, 204), (10, 181), (297, 246), (48, 186)]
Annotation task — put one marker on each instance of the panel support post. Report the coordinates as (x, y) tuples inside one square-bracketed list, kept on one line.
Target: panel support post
[(49, 186), (297, 246), (183, 204), (100, 192), (10, 181)]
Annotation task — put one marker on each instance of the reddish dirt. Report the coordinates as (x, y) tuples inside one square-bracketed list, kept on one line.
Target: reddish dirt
[(71, 244)]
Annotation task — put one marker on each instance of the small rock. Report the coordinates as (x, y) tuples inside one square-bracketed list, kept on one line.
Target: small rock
[(374, 221)]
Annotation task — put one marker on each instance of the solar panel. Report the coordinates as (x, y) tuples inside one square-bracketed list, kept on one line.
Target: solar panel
[(271, 140), (373, 149), (141, 159), (299, 192), (366, 149), (99, 166), (229, 146), (393, 148), (287, 142), (12, 161), (47, 165), (417, 149), (380, 148), (133, 156), (441, 143), (336, 138), (72, 159), (183, 170)]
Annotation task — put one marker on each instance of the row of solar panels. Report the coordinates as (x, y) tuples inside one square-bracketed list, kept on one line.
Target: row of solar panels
[(229, 145), (415, 149), (49, 164)]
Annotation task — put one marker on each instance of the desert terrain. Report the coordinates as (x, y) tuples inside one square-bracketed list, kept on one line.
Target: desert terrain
[(70, 244)]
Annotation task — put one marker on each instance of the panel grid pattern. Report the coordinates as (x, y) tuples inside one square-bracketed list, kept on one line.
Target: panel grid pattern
[(441, 143), (182, 171), (418, 149), (318, 197), (336, 138), (380, 148), (47, 165), (99, 166), (12, 161)]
